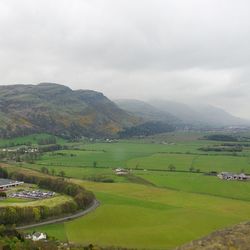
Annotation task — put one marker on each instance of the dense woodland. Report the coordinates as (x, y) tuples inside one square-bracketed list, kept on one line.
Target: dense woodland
[(146, 129)]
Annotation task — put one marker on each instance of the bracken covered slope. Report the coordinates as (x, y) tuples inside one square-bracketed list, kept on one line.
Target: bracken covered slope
[(234, 238), (56, 109)]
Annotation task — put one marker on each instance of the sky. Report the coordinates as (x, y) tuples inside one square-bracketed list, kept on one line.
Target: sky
[(181, 50)]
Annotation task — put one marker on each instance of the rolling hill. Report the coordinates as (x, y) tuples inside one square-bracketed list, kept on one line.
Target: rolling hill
[(57, 109)]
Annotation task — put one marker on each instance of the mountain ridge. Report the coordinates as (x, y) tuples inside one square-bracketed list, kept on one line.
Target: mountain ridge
[(57, 109), (194, 115)]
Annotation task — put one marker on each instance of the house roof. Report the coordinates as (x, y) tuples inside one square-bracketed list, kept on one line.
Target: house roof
[(38, 234), (6, 182)]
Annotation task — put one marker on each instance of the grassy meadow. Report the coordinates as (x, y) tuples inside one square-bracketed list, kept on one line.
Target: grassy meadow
[(49, 202), (29, 139), (168, 208), (146, 217)]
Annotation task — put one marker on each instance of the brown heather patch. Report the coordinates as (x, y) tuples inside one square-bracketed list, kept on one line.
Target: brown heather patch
[(87, 119), (111, 128), (233, 238)]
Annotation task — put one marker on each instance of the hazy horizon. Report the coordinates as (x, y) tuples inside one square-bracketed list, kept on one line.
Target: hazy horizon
[(182, 51)]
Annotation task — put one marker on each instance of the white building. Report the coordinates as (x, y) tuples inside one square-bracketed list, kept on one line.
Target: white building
[(121, 171), (6, 183), (36, 236), (232, 176)]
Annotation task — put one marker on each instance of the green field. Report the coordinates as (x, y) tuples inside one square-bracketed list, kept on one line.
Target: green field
[(145, 217), (138, 155), (198, 183), (49, 202), (168, 208), (29, 139)]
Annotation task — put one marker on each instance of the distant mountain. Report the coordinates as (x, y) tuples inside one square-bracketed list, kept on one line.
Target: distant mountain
[(202, 115), (57, 109), (179, 113), (146, 111)]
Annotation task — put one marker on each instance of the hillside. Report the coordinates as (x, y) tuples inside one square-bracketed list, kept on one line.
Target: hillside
[(202, 115), (146, 111), (56, 109), (180, 113), (236, 237)]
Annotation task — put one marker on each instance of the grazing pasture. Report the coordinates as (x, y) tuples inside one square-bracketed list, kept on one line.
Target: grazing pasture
[(204, 163), (147, 156), (146, 217), (168, 208), (199, 183), (27, 140)]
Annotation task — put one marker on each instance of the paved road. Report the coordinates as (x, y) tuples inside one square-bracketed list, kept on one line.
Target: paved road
[(94, 205)]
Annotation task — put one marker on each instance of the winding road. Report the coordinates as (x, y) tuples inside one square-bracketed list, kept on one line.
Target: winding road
[(91, 208)]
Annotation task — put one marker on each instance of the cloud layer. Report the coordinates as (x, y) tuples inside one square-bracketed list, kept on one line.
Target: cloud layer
[(174, 49)]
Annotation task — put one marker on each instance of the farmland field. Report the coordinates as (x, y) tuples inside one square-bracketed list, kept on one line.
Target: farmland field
[(198, 183), (49, 202), (153, 207), (146, 217), (30, 139)]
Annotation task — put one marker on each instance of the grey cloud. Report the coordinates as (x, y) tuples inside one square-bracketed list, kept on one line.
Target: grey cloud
[(174, 49)]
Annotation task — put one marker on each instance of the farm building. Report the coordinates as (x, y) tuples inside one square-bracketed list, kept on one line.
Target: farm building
[(36, 236), (6, 183), (232, 176), (121, 171)]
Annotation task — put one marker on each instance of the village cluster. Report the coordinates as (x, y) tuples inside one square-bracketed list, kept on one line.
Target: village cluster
[(34, 194), (232, 176), (25, 150)]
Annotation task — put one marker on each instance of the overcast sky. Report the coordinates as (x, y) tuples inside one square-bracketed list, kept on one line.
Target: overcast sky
[(182, 50)]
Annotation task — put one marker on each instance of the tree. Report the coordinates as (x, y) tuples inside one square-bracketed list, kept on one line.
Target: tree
[(44, 170), (62, 173), (3, 194), (37, 214), (2, 229), (10, 215), (171, 167), (3, 173), (191, 169), (53, 172)]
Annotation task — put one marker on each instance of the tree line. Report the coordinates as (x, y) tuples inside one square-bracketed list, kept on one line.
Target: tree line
[(146, 129), (24, 215)]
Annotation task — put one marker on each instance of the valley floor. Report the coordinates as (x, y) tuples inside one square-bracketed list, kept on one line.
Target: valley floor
[(153, 208), (144, 217)]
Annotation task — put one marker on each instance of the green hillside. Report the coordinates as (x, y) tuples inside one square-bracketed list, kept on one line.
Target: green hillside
[(56, 109)]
